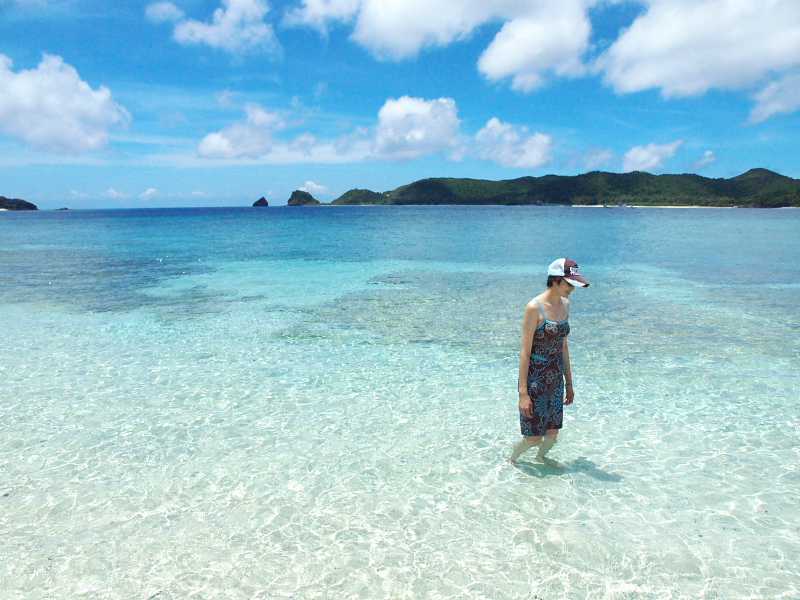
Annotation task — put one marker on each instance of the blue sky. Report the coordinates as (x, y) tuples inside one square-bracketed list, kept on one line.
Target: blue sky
[(220, 102)]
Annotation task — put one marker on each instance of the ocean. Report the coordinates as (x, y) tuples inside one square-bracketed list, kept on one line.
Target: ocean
[(320, 402)]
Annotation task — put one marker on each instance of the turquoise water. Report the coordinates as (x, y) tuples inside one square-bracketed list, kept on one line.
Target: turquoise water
[(318, 403)]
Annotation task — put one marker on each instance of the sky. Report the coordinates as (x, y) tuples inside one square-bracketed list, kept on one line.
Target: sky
[(131, 104)]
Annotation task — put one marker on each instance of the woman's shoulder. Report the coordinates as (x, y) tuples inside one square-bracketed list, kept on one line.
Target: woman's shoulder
[(533, 307)]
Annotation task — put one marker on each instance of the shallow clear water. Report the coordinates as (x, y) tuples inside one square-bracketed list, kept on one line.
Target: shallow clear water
[(318, 403)]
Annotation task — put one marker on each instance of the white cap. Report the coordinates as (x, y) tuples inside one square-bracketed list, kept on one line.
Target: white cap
[(568, 269)]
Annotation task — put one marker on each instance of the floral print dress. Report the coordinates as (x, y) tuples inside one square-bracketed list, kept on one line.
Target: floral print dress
[(546, 377)]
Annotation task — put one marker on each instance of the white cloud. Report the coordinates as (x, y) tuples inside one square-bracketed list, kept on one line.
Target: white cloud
[(226, 99), (650, 157), (51, 108), (595, 158), (513, 147), (162, 12), (312, 188), (400, 28), (708, 157), (305, 143), (251, 138), (779, 97), (346, 143), (686, 47), (237, 26), (554, 36), (409, 128), (114, 194), (149, 193), (537, 36), (318, 13)]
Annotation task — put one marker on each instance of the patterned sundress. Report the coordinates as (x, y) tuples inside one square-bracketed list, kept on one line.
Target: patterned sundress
[(546, 377)]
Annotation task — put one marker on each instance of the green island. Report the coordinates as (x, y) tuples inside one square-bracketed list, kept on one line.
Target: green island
[(15, 204), (757, 188), (300, 198)]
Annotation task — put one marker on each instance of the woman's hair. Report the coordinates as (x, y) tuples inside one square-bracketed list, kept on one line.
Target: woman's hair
[(553, 279)]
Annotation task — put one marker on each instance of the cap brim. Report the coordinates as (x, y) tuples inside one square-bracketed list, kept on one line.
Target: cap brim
[(577, 281)]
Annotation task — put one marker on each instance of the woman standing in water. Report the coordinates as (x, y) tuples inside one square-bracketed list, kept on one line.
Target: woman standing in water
[(545, 376)]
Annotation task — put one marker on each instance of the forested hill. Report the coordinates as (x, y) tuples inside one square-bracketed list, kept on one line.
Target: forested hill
[(15, 204), (756, 188)]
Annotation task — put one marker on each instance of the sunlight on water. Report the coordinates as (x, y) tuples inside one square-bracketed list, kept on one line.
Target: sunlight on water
[(333, 422)]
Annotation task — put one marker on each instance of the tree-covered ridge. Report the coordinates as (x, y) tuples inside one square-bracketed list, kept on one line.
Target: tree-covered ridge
[(361, 197), (15, 204), (756, 188), (301, 198)]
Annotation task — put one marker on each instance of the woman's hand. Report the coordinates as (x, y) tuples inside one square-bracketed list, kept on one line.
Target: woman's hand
[(525, 405), (569, 396)]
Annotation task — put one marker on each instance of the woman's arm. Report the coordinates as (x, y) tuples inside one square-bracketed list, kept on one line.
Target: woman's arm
[(529, 324), (569, 394)]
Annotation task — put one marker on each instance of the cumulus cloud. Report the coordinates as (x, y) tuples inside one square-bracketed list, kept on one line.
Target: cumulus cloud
[(149, 193), (554, 36), (305, 143), (595, 158), (708, 157), (650, 157), (250, 138), (312, 188), (409, 128), (318, 13), (114, 194), (400, 28), (779, 97), (162, 12), (686, 47), (347, 142), (513, 147), (51, 108), (536, 37), (237, 26), (681, 47)]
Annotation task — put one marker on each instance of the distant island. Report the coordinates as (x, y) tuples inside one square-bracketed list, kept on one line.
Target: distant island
[(300, 198), (758, 188), (15, 204)]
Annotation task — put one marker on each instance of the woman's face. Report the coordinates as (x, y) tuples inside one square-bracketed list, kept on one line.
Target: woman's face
[(564, 288)]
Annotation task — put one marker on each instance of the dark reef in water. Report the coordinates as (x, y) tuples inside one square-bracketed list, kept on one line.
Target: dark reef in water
[(758, 188), (16, 204), (261, 202)]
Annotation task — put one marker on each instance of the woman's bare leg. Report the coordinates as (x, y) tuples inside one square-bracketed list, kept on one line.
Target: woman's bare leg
[(526, 443), (550, 439)]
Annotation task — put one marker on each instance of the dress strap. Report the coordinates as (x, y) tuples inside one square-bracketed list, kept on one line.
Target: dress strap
[(544, 314), (541, 308)]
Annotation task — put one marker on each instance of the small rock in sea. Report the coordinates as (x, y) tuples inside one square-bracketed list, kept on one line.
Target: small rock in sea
[(65, 208), (261, 202)]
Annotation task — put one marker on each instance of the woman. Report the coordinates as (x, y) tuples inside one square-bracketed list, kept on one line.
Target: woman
[(544, 370)]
